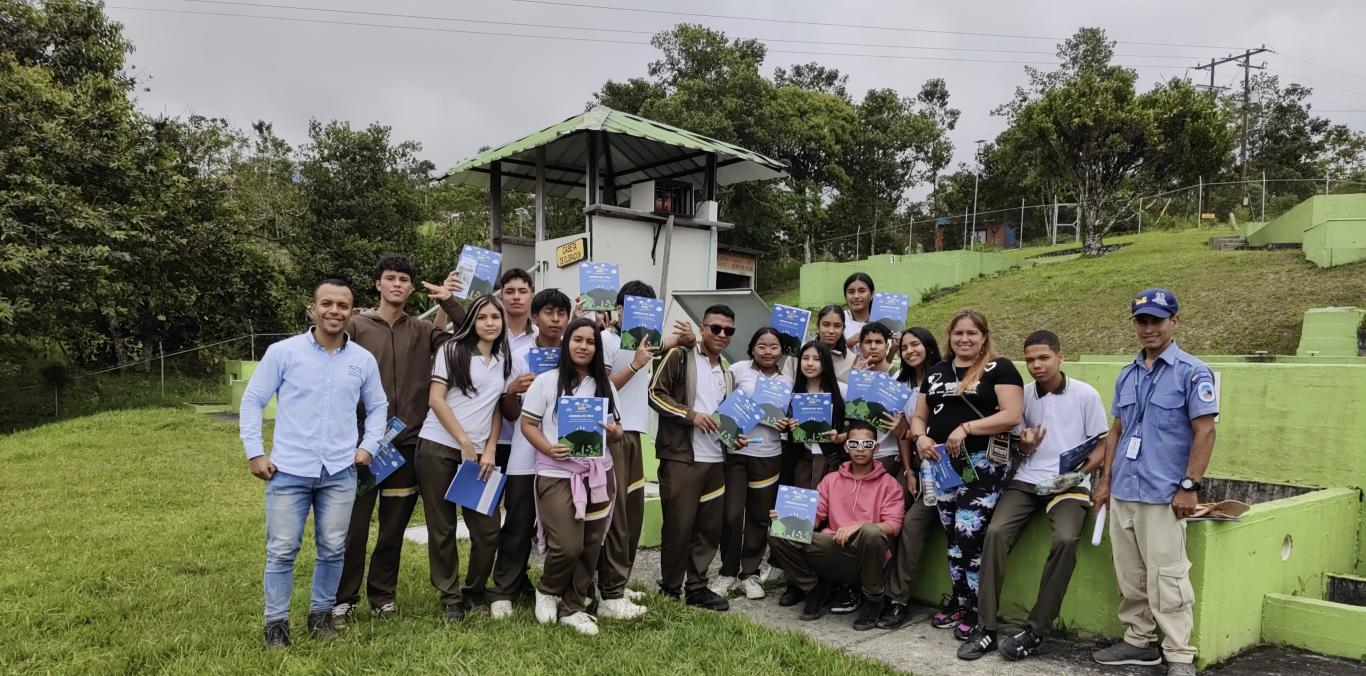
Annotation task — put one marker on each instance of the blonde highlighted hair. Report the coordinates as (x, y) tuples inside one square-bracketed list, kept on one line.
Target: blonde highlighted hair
[(986, 356)]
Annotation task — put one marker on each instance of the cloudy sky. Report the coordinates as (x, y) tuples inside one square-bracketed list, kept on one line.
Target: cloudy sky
[(463, 74)]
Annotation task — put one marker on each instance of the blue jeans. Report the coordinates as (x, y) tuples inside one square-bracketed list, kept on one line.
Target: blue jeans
[(288, 499)]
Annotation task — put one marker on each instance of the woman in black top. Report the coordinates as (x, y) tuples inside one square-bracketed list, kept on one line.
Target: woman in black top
[(962, 403)]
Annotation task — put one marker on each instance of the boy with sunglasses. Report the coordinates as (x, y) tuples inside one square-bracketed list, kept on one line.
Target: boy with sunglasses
[(859, 514), (687, 387)]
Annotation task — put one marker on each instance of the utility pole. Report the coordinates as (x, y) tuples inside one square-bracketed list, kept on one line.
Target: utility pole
[(1247, 67)]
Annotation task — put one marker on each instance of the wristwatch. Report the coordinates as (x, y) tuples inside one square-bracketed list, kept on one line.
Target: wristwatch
[(1189, 484)]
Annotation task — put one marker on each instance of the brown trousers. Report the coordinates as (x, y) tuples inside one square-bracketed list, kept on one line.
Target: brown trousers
[(397, 496), (572, 547), (623, 535), (920, 521), (751, 490), (1017, 505), (690, 496), (436, 466), (859, 562), (516, 534)]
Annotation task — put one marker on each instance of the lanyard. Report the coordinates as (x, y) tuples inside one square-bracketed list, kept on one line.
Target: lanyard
[(1142, 400)]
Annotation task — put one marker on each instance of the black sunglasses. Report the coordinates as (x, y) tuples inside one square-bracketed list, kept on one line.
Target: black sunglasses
[(717, 329), (865, 444)]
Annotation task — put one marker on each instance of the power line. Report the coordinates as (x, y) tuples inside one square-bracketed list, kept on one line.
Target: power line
[(559, 3), (1323, 66)]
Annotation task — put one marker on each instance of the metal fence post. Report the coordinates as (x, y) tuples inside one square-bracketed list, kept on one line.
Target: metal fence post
[(162, 350), (252, 330)]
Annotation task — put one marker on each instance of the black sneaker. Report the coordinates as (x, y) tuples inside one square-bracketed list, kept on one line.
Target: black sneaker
[(846, 600), (815, 601), (320, 626), (474, 601), (868, 613), (977, 644), (277, 634), (341, 614), (792, 595), (1020, 645), (894, 616), (706, 598), (966, 626), (453, 612)]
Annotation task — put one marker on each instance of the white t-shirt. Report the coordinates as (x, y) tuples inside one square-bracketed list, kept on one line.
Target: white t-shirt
[(764, 441), (708, 393), (475, 412), (516, 342), (635, 404), (1069, 417), (539, 404), (815, 448), (852, 327), (522, 459)]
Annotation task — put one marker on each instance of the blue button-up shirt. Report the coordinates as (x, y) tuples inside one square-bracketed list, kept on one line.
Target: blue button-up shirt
[(316, 393), (1178, 389)]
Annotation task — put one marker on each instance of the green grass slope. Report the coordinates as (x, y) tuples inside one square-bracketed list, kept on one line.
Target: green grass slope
[(136, 544)]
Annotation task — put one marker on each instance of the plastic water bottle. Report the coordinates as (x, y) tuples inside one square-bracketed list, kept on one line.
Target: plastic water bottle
[(928, 490)]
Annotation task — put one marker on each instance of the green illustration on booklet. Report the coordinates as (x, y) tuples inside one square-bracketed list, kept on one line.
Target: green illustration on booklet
[(814, 413), (796, 514), (875, 398), (772, 395), (579, 421), (642, 319), (735, 417), (598, 285)]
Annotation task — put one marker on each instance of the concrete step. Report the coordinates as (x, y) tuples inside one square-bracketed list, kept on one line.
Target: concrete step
[(1228, 243)]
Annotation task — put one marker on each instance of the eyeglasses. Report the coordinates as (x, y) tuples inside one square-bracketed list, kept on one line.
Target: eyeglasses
[(865, 444), (717, 329)]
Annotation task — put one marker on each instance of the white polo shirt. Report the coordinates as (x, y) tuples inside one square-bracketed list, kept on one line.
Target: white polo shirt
[(764, 441), (522, 459), (1070, 415), (708, 393), (475, 411), (635, 396), (520, 341)]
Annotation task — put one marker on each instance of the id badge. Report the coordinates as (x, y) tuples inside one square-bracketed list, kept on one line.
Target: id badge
[(1131, 450)]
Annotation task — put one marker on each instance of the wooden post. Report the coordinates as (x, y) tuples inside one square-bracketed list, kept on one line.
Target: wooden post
[(590, 189), (496, 206), (611, 187), (709, 184), (540, 193), (162, 350), (668, 243)]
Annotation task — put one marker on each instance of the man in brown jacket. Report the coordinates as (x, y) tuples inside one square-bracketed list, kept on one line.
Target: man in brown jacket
[(403, 345), (688, 386)]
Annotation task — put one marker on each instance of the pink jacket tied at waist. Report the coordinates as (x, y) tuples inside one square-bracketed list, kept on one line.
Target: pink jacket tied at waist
[(595, 470)]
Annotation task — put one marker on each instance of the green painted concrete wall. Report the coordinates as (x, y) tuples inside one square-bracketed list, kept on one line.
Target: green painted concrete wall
[(1311, 624), (1337, 241), (1330, 331), (1122, 359), (823, 283), (1332, 229)]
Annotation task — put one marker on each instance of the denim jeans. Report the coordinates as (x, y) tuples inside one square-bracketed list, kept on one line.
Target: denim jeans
[(288, 499)]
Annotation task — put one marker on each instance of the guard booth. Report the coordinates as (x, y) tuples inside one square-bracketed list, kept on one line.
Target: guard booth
[(649, 193)]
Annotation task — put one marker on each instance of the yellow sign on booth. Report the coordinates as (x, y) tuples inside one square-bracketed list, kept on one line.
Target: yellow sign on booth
[(572, 252)]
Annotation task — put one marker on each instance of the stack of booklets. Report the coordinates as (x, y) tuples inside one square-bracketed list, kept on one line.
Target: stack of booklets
[(874, 397)]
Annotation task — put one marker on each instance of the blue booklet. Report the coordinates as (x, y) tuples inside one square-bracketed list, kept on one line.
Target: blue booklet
[(384, 462), (641, 319), (579, 421), (947, 475), (796, 508), (1073, 458), (736, 416), (469, 492), (815, 415), (598, 286), (478, 269), (889, 310), (542, 359), (791, 324), (873, 396), (772, 395)]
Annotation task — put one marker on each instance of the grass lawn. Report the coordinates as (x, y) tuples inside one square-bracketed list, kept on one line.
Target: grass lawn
[(1232, 302), (137, 547)]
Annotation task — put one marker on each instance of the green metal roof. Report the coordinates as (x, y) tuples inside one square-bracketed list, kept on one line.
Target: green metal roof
[(640, 150)]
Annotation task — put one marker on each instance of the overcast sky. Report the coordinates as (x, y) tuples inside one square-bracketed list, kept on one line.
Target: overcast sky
[(457, 91)]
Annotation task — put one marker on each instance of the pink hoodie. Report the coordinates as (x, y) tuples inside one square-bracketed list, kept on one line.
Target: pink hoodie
[(875, 497)]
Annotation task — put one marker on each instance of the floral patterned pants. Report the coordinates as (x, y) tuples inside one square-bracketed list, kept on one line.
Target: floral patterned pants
[(965, 516)]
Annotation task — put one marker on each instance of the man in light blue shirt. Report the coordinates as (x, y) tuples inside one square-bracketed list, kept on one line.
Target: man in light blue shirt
[(1156, 455), (317, 378)]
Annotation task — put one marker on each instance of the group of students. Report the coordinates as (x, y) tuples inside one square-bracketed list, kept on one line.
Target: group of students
[(476, 400)]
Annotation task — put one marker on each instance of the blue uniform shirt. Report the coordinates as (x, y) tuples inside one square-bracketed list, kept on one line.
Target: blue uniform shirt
[(1178, 389), (316, 393)]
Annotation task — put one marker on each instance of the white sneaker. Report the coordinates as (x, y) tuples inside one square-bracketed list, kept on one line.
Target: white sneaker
[(501, 610), (547, 607), (753, 589), (581, 622), (722, 585), (620, 609), (634, 596), (769, 574)]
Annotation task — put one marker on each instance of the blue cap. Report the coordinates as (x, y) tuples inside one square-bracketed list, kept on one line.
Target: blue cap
[(1159, 303)]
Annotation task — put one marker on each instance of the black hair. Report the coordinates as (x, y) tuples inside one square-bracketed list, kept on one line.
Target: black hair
[(333, 281), (718, 309), (550, 298), (635, 287), (859, 277), (855, 424), (837, 310), (1044, 337), (830, 383), (459, 351), (397, 263), (875, 327), (932, 356), (516, 273), (763, 331), (597, 368)]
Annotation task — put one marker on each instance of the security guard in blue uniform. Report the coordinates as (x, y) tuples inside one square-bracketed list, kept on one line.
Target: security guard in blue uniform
[(1155, 456)]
